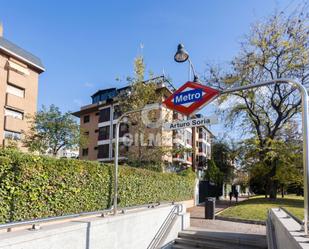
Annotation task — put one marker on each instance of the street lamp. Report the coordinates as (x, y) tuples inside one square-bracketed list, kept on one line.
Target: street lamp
[(181, 56)]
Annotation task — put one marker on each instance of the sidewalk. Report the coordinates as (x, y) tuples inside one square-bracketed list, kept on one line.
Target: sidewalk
[(197, 219), (198, 212)]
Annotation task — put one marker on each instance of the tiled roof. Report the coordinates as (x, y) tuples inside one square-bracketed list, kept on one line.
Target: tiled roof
[(20, 53)]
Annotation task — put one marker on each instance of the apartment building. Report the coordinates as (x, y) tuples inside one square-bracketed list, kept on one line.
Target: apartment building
[(98, 121), (19, 76)]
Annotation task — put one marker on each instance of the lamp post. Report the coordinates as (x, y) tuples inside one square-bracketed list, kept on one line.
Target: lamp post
[(181, 56)]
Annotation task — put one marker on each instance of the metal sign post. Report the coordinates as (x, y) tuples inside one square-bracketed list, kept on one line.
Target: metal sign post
[(305, 129)]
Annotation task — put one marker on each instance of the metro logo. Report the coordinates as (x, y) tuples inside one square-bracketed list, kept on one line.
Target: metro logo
[(190, 97)]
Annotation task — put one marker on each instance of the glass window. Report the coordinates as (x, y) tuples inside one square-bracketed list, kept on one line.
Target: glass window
[(202, 147), (104, 132), (123, 150), (12, 135), (188, 137), (96, 99), (15, 91), (117, 112), (103, 151), (114, 130), (123, 129), (13, 113), (86, 119), (85, 152), (104, 115)]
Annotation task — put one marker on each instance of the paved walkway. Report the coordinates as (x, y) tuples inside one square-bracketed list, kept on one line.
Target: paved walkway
[(198, 220), (198, 212)]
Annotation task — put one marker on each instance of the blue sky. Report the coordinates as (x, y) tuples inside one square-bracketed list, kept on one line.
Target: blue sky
[(86, 45)]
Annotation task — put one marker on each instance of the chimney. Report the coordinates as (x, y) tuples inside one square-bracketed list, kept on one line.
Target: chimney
[(1, 29)]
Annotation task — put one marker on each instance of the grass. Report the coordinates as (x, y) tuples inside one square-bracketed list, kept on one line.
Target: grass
[(256, 207)]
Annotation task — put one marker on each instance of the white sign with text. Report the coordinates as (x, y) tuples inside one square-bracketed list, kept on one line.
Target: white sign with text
[(190, 123)]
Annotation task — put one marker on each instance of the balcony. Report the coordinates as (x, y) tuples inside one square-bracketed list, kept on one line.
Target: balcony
[(17, 79), (14, 124), (182, 161), (15, 101)]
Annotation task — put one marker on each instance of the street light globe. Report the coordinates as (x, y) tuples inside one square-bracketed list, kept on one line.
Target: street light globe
[(181, 54)]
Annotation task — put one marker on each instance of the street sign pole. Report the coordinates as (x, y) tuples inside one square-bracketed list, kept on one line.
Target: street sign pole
[(305, 130)]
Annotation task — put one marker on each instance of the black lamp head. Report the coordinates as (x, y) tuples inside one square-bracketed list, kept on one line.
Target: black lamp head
[(181, 54)]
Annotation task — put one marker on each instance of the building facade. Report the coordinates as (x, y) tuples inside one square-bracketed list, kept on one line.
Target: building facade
[(188, 147), (19, 76)]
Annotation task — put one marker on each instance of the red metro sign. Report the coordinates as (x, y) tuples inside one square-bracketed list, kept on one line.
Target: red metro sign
[(190, 97)]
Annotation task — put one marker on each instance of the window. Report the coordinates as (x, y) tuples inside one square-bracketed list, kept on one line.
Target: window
[(15, 91), (12, 135), (188, 137), (122, 150), (96, 99), (13, 113), (105, 115), (117, 112), (86, 119), (202, 133), (123, 129), (202, 147), (18, 68), (104, 95), (85, 152), (103, 151), (104, 132)]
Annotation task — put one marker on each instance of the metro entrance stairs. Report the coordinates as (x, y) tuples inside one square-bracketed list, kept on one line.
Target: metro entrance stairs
[(196, 237)]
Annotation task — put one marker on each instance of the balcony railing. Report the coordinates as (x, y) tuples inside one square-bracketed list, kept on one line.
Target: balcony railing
[(15, 101), (14, 124)]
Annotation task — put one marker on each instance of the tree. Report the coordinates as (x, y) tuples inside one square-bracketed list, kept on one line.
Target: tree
[(52, 130), (276, 48), (141, 94), (286, 154), (213, 173), (223, 157)]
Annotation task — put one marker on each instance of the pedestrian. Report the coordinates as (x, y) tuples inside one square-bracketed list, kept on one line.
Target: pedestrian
[(231, 195), (236, 195)]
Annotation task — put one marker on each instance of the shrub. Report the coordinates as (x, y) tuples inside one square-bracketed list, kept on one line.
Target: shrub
[(37, 186)]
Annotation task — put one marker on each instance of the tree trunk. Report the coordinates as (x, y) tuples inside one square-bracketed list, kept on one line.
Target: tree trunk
[(272, 184), (273, 189), (282, 191)]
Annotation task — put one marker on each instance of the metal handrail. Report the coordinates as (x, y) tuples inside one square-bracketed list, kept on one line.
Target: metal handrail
[(49, 219), (35, 223), (155, 243)]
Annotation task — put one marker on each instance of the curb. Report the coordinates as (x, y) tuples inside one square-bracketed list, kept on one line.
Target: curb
[(220, 211), (254, 222)]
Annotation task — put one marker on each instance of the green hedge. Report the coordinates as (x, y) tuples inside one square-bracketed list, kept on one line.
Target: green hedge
[(35, 186)]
